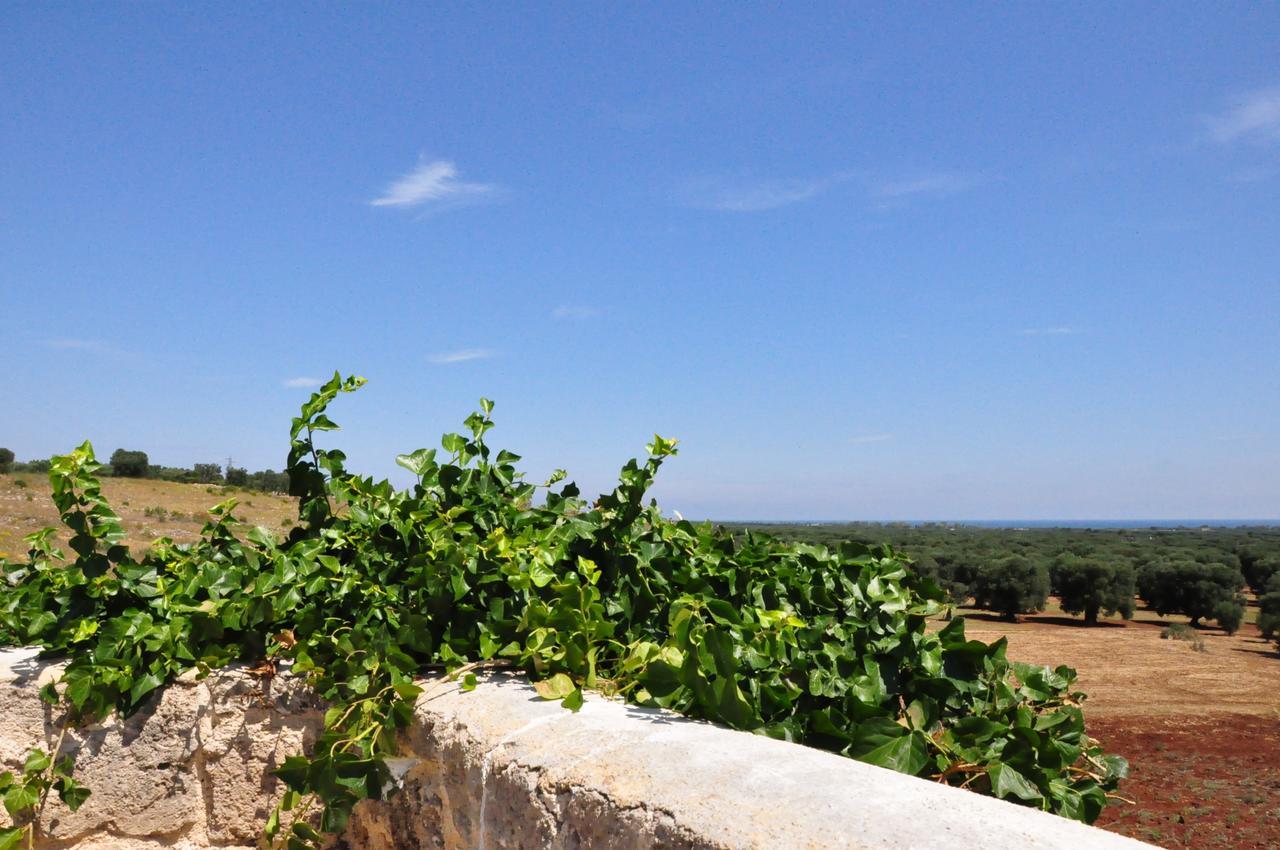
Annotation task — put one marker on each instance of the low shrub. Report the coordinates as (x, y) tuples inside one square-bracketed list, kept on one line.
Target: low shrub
[(1183, 632)]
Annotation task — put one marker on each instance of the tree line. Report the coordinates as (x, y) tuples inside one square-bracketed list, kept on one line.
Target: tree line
[(132, 463), (1200, 573)]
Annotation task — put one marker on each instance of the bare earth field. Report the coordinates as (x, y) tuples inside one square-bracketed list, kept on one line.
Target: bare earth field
[(148, 509), (1201, 729)]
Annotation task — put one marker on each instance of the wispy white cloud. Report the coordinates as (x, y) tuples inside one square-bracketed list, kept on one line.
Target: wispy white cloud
[(66, 344), (863, 439), (1251, 175), (435, 182), (574, 311), (462, 356), (89, 346), (1252, 116), (747, 196), (756, 195), (1061, 330), (926, 184), (766, 195), (303, 382)]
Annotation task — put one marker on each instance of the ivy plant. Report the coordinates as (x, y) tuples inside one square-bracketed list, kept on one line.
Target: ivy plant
[(25, 795), (473, 566)]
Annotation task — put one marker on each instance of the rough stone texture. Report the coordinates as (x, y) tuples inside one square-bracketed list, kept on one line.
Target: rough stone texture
[(499, 768), (189, 770)]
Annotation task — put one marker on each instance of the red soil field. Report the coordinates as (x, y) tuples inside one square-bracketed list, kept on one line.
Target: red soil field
[(1201, 730)]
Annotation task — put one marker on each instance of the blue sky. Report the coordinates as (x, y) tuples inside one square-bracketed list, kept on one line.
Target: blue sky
[(866, 262)]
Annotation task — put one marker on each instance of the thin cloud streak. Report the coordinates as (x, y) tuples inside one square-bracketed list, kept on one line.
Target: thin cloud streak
[(747, 196), (766, 196), (929, 184), (1057, 331), (869, 438), (1251, 175), (431, 183), (1253, 116), (463, 356), (66, 344), (89, 346), (306, 383), (573, 311)]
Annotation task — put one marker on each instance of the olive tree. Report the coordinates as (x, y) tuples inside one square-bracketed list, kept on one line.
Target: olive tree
[(1258, 566), (1091, 586), (1269, 609), (1200, 591), (208, 473), (948, 573), (129, 464), (1012, 586)]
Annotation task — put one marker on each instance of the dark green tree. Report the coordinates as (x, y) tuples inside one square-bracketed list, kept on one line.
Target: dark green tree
[(208, 473), (129, 464), (1259, 565), (1092, 585), (1200, 591), (1229, 614), (6, 460), (1269, 609), (269, 481), (1012, 586)]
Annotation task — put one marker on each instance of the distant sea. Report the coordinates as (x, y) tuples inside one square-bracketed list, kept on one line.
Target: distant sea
[(1117, 523), (1045, 523)]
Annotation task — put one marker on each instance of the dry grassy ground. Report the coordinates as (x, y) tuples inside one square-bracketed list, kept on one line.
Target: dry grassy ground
[(1127, 669), (148, 509), (1201, 730)]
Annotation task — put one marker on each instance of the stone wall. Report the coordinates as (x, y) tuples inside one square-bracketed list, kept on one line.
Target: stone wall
[(497, 768)]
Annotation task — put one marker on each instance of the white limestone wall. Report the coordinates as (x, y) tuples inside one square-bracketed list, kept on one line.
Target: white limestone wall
[(498, 768)]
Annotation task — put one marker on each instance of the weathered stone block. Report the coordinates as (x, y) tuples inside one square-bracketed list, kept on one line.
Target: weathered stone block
[(497, 769)]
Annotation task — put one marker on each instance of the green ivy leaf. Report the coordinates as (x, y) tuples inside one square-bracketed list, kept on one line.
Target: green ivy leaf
[(540, 574), (72, 793), (273, 824), (1005, 782), (573, 700), (10, 836), (419, 462), (905, 753), (38, 761), (20, 799), (558, 686), (143, 686)]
